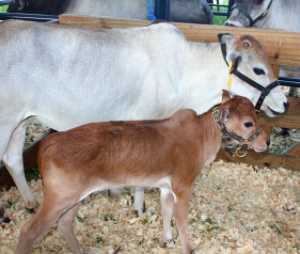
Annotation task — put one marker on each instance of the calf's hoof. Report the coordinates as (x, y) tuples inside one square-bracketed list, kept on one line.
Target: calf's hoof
[(193, 252), (32, 205), (169, 244)]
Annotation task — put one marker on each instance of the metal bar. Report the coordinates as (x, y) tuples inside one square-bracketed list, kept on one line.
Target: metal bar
[(218, 13), (290, 79), (167, 10), (15, 14), (5, 2), (219, 5), (30, 17), (231, 3), (289, 83)]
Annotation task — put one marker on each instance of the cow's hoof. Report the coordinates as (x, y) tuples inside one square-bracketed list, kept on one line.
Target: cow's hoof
[(169, 244), (193, 252)]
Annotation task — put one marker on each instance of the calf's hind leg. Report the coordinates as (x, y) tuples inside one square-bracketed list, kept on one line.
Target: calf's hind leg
[(65, 225), (41, 222), (167, 210), (13, 161)]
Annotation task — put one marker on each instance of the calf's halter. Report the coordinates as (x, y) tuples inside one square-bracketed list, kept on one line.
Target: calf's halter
[(226, 136), (264, 90), (247, 15)]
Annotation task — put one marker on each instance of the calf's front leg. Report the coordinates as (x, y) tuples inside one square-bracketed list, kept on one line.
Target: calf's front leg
[(181, 217)]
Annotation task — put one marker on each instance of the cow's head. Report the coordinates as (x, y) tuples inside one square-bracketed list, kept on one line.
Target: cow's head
[(247, 13), (246, 57), (18, 5)]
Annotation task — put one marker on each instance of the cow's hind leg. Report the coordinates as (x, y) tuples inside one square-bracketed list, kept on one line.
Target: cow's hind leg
[(13, 161), (65, 225)]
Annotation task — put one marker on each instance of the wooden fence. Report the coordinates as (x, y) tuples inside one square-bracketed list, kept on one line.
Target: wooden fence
[(282, 49)]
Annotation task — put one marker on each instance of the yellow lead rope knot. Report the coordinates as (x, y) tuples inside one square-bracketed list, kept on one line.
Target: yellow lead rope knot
[(230, 76)]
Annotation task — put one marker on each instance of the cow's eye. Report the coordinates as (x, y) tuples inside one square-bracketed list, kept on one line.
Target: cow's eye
[(259, 71), (248, 124)]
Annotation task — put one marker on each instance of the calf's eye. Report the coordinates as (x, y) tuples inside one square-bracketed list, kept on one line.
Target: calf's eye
[(248, 124)]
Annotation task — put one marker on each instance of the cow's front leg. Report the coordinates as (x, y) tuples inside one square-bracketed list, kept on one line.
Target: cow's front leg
[(181, 216), (167, 210), (13, 161)]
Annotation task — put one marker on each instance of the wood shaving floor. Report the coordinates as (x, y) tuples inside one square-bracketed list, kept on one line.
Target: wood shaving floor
[(235, 208)]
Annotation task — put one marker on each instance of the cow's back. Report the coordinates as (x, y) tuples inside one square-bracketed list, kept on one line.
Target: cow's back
[(80, 75)]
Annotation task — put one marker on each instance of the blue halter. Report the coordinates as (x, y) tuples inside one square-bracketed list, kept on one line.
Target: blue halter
[(151, 15)]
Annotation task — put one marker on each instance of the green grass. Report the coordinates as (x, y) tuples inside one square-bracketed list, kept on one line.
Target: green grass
[(33, 174), (3, 8), (219, 20)]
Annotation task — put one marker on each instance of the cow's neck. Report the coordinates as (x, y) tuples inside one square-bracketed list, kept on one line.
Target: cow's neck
[(283, 15), (210, 135), (207, 75)]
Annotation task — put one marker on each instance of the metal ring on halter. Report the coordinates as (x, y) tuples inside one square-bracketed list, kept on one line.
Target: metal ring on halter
[(241, 152)]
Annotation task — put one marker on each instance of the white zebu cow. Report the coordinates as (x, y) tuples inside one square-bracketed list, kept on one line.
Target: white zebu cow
[(191, 11), (269, 14), (68, 76)]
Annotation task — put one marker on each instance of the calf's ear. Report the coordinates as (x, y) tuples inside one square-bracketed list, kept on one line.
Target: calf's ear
[(224, 115), (225, 96)]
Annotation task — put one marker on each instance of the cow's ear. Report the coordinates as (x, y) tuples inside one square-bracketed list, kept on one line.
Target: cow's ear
[(226, 37), (225, 96), (224, 115)]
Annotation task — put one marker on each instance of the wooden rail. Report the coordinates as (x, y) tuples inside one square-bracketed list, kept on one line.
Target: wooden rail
[(282, 49)]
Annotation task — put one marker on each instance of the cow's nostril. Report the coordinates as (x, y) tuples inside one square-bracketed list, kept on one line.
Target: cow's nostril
[(286, 105), (268, 142), (229, 24)]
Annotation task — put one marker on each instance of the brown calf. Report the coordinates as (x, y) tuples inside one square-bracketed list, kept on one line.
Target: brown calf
[(166, 154)]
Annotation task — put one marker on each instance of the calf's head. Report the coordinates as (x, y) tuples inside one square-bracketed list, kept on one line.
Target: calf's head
[(238, 116), (252, 75)]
